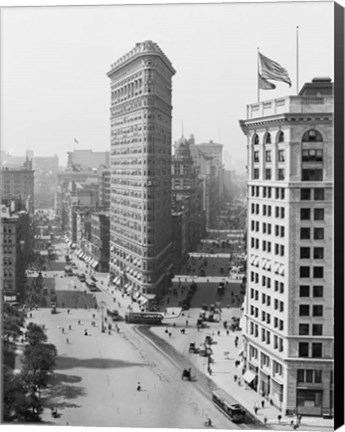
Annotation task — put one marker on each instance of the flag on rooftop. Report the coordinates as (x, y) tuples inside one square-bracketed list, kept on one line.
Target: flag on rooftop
[(264, 84), (272, 70)]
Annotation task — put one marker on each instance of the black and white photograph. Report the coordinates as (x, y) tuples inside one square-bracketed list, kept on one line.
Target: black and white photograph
[(168, 209)]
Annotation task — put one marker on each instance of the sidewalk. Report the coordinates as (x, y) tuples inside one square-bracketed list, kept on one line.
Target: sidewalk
[(224, 369)]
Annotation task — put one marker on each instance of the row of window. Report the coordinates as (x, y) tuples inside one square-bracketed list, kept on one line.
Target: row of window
[(305, 272), (267, 192), (318, 194), (268, 174), (266, 336), (267, 210), (307, 349), (266, 299), (267, 228), (318, 233), (305, 252), (304, 329), (268, 139), (304, 291), (268, 156), (266, 282), (317, 310), (318, 214), (309, 376)]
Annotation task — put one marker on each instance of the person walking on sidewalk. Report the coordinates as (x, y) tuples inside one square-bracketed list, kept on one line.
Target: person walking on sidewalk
[(256, 408)]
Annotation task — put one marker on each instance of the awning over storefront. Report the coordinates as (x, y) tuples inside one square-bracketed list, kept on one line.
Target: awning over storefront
[(94, 264), (142, 300), (136, 295), (249, 376), (117, 280), (44, 253), (241, 352)]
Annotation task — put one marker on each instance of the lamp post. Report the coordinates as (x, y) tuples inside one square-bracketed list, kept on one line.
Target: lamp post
[(102, 309)]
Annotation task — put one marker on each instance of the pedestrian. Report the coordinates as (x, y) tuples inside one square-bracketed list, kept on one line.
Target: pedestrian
[(299, 419), (256, 408), (227, 332), (63, 330), (265, 420), (138, 386), (85, 332), (263, 403), (69, 327), (79, 322), (218, 333), (67, 340), (279, 418), (169, 334)]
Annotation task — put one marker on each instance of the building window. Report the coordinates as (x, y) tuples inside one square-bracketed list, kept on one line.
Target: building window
[(318, 291), (318, 272), (318, 233), (319, 214), (305, 233), (316, 350), (281, 155), (305, 194), (268, 172), (317, 329), (319, 194), (312, 175), (281, 174), (304, 291), (318, 253), (256, 173), (256, 139), (305, 214), (304, 272), (268, 156), (303, 329), (303, 349), (317, 310), (304, 252), (312, 155), (256, 156), (268, 138), (312, 135), (280, 137), (303, 310)]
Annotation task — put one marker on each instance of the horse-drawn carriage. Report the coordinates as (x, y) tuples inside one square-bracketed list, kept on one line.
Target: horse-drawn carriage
[(186, 374)]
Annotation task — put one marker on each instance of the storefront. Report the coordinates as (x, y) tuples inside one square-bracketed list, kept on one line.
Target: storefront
[(309, 401)]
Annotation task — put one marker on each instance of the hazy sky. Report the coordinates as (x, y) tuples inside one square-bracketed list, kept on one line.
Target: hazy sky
[(54, 63)]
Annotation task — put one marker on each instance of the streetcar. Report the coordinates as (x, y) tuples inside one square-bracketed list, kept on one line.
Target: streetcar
[(144, 317), (228, 406)]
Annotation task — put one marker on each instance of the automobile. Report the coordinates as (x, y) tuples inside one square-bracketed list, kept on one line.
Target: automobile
[(114, 314), (193, 348)]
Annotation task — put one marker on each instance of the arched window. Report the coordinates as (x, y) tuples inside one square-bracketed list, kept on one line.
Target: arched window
[(312, 135), (267, 139), (280, 137), (256, 139)]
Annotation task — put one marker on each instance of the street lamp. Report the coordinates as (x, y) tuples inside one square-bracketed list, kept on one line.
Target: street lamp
[(102, 303)]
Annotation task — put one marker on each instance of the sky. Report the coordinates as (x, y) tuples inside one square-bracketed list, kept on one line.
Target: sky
[(54, 62)]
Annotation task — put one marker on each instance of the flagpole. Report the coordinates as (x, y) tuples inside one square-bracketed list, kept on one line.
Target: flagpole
[(297, 59), (258, 75)]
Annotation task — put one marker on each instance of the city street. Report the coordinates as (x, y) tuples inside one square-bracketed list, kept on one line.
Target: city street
[(96, 376)]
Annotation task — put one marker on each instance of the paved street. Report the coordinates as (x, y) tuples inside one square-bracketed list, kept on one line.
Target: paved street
[(97, 375)]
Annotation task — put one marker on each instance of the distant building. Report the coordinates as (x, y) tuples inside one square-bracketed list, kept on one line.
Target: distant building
[(187, 202), (46, 180), (211, 150), (84, 159), (100, 235), (140, 210), (18, 187), (15, 249), (104, 187), (289, 310)]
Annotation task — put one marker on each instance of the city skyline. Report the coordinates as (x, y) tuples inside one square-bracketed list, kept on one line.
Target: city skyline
[(64, 92)]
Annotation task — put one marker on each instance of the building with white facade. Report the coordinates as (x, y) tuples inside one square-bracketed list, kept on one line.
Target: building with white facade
[(140, 208), (289, 302)]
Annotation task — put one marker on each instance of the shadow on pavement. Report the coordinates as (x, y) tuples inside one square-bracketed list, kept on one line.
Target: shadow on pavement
[(58, 378), (93, 363)]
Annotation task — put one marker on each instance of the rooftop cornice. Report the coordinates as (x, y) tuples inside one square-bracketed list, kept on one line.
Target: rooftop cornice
[(141, 49)]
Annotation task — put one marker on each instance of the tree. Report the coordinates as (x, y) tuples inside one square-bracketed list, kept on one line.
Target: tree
[(38, 363), (35, 334)]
